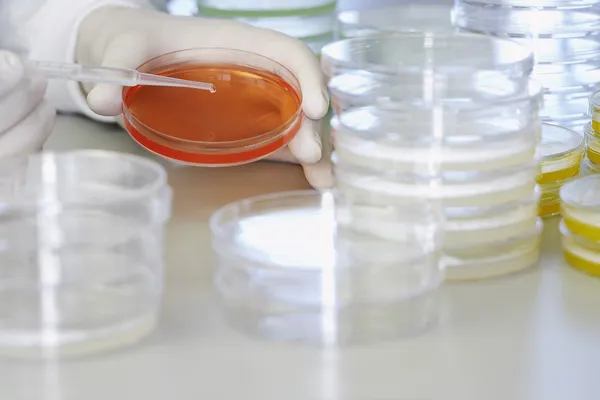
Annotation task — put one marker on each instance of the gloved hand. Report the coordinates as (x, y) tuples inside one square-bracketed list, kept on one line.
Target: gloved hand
[(125, 38), (26, 120)]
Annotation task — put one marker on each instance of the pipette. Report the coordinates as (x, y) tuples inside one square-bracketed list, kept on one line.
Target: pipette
[(117, 76)]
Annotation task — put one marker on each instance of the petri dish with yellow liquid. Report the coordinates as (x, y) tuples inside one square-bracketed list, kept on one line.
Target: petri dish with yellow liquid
[(594, 101), (580, 206), (560, 153), (592, 139), (580, 252)]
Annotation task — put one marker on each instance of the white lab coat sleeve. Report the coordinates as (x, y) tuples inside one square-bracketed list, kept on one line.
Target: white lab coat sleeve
[(50, 34)]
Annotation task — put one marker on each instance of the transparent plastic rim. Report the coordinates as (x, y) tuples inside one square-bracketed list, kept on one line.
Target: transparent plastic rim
[(528, 4), (581, 240), (469, 213), (578, 143), (502, 246), (568, 198), (334, 55), (195, 56), (155, 188)]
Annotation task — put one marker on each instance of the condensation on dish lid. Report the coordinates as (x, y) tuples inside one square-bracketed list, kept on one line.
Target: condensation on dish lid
[(496, 259)]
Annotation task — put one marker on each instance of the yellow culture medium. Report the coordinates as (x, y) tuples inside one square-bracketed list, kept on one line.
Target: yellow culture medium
[(549, 204), (580, 206), (595, 111), (592, 139), (581, 253), (560, 153)]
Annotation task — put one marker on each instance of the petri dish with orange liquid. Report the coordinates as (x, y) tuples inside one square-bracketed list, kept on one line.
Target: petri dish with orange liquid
[(255, 110)]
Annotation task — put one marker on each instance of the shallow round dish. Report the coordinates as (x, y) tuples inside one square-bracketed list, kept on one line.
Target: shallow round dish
[(452, 188), (477, 226), (589, 168), (527, 21), (580, 252), (395, 18), (549, 204), (494, 260), (558, 4), (255, 111), (291, 264), (368, 137), (592, 140), (566, 110), (580, 206), (562, 51), (411, 54), (560, 153)]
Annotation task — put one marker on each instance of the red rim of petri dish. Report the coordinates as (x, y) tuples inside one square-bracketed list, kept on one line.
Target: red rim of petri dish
[(214, 154)]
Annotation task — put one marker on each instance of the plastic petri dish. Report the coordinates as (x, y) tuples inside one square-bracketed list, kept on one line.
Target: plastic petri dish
[(452, 188), (560, 153), (255, 111), (580, 206), (574, 79), (580, 252), (567, 111), (594, 111), (494, 260), (589, 168), (592, 139), (550, 51), (307, 266), (549, 4), (476, 226), (395, 18), (411, 54), (403, 141), (82, 256), (549, 204), (527, 21)]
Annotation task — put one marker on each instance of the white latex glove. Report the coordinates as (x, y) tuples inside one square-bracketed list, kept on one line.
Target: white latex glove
[(26, 120), (125, 38)]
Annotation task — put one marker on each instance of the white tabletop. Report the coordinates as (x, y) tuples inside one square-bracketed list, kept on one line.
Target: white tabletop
[(533, 336)]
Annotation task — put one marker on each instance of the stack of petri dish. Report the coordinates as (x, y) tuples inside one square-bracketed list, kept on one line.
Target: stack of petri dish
[(565, 37), (311, 21), (580, 227), (592, 136), (394, 18), (444, 117), (560, 152)]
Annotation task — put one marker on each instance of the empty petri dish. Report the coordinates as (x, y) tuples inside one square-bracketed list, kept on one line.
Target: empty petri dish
[(452, 188), (82, 255), (411, 54), (527, 21), (255, 111), (574, 78), (501, 258), (580, 252), (475, 226), (395, 18), (580, 206), (592, 139), (568, 50), (312, 267), (403, 141), (560, 153), (567, 111)]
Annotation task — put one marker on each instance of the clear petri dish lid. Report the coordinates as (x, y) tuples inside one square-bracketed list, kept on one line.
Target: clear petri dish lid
[(564, 110), (527, 22), (582, 193), (560, 4), (426, 54), (575, 81), (558, 142), (311, 231), (395, 18), (563, 50)]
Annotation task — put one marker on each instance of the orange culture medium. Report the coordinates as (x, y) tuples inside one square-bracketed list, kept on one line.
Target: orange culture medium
[(252, 114)]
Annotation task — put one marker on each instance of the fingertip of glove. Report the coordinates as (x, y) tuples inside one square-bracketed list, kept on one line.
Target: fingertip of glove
[(105, 100)]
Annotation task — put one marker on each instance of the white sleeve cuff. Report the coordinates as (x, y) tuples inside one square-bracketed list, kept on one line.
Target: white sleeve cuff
[(52, 35)]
